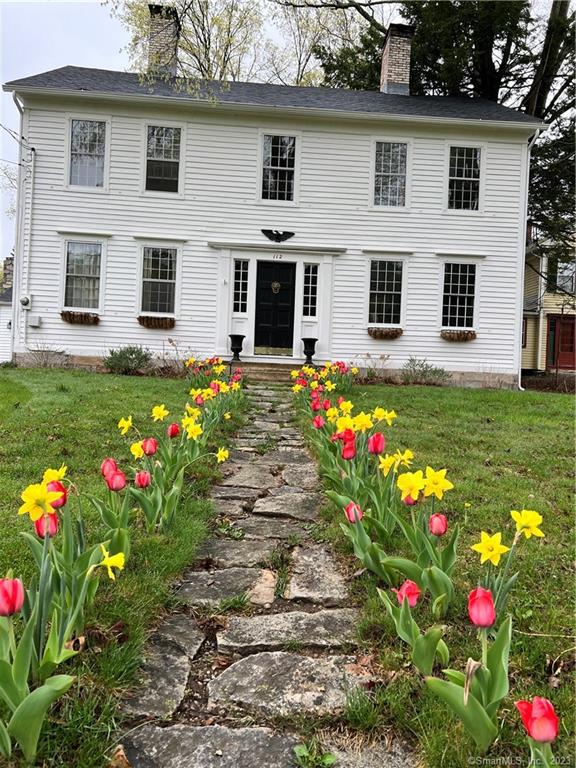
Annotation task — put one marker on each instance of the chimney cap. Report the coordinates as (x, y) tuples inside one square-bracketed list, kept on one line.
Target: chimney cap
[(399, 30), (168, 11)]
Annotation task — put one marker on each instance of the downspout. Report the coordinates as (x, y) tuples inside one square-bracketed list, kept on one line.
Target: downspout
[(523, 246), (18, 234)]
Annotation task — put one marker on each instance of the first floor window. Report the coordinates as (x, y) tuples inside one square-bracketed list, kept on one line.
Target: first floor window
[(458, 299), (310, 290), (159, 280), (240, 285), (87, 152), (82, 286), (162, 158), (390, 174), (464, 178), (278, 167), (385, 292), (524, 330)]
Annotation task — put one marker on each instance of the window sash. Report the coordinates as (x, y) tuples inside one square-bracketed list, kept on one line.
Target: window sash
[(278, 167), (87, 153), (464, 178), (162, 158), (459, 295), (240, 297), (390, 174), (159, 280), (310, 298), (385, 295), (82, 275)]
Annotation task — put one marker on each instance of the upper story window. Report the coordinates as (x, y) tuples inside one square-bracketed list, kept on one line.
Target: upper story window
[(458, 299), (162, 158), (310, 290), (82, 276), (464, 178), (159, 280), (240, 302), (278, 167), (385, 292), (560, 276), (87, 153), (390, 174)]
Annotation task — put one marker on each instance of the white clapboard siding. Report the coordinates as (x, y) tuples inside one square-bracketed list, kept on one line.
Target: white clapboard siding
[(5, 333), (220, 204)]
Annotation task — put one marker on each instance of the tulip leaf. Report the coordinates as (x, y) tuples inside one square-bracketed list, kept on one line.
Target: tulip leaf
[(408, 567), (424, 649), (443, 652), (455, 676), (438, 582), (8, 690), (35, 546), (5, 743), (472, 714), (23, 655), (448, 556), (498, 665)]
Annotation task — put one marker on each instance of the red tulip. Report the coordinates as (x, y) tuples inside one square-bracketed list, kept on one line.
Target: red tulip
[(409, 590), (539, 719), (116, 480), (409, 501), (318, 422), (353, 512), (326, 404), (214, 386), (199, 400), (315, 405), (437, 524), (340, 400), (149, 446), (481, 607), (11, 596), (173, 430), (47, 525), (349, 450), (376, 443), (142, 479), (56, 485), (314, 395), (107, 466)]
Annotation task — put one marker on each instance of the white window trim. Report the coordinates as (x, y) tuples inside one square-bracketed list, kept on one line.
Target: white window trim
[(313, 317), (100, 119), (260, 168), (483, 147), (408, 188), (233, 285), (177, 291), (79, 238), (444, 259), (162, 123), (387, 256)]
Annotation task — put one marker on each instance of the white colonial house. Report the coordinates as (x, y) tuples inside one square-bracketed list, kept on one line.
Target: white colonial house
[(373, 221)]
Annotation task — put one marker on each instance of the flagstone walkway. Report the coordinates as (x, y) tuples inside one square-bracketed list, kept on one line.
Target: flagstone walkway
[(223, 687)]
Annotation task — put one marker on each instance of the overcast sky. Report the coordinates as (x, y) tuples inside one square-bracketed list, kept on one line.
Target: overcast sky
[(38, 36)]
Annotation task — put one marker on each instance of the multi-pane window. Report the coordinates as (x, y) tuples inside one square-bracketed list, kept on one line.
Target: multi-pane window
[(162, 158), (240, 303), (458, 300), (87, 152), (390, 174), (464, 178), (385, 292), (278, 167), (310, 290), (82, 280), (159, 280)]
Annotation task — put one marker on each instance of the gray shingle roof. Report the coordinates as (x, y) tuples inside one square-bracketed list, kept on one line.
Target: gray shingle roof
[(101, 81)]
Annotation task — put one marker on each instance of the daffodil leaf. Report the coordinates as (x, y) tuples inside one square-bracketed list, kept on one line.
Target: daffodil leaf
[(497, 661), (5, 743)]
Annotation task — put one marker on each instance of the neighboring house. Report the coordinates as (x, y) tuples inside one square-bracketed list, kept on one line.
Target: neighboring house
[(150, 213), (6, 310), (549, 323)]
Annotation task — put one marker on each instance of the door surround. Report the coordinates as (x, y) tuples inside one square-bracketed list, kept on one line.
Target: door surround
[(275, 301)]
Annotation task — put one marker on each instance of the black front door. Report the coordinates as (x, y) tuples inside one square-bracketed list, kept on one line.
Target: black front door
[(274, 331)]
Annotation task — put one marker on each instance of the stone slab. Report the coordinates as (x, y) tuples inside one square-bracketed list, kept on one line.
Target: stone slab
[(162, 681), (301, 476), (230, 553), (284, 684), (251, 475), (208, 588), (299, 506), (324, 630), (315, 577), (235, 492), (394, 755), (284, 456), (265, 426), (260, 527), (186, 746), (231, 507), (181, 630)]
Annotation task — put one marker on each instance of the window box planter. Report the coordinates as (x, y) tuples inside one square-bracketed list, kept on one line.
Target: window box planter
[(385, 333), (454, 335), (80, 318), (164, 323)]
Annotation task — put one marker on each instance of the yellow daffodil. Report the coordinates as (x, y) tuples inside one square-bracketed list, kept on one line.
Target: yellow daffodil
[(137, 450), (224, 388), (314, 385), (527, 522), (467, 505), (296, 388), (436, 483), (410, 484), (362, 422), (37, 501), (189, 362), (332, 414), (227, 416), (50, 475), (330, 386), (219, 369), (389, 417), (490, 548), (159, 412), (403, 459), (344, 422), (354, 371), (386, 463), (193, 412), (235, 386), (346, 406), (195, 392), (294, 374), (378, 413), (194, 431), (222, 455), (111, 561), (208, 394), (124, 425)]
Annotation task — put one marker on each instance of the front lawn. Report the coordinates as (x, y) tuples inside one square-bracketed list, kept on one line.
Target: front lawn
[(503, 451)]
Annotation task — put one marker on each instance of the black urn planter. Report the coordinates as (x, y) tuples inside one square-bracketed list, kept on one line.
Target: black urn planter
[(236, 341), (309, 349)]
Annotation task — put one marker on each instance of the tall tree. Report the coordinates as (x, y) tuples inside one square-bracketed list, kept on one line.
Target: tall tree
[(9, 186)]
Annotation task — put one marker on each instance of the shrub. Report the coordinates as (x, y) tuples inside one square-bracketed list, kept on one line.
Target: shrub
[(417, 371), (128, 360)]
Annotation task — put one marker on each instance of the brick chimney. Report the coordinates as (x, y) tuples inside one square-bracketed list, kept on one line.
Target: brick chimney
[(163, 39), (7, 272), (395, 73)]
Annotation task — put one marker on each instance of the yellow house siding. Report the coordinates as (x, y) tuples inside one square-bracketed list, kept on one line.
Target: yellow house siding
[(530, 351)]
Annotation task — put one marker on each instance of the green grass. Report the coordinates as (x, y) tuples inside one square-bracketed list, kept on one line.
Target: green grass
[(503, 450), (50, 417)]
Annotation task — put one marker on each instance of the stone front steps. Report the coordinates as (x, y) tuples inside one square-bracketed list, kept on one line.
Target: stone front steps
[(215, 681)]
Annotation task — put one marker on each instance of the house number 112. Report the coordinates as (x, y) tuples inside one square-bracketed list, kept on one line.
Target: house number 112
[(277, 256)]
